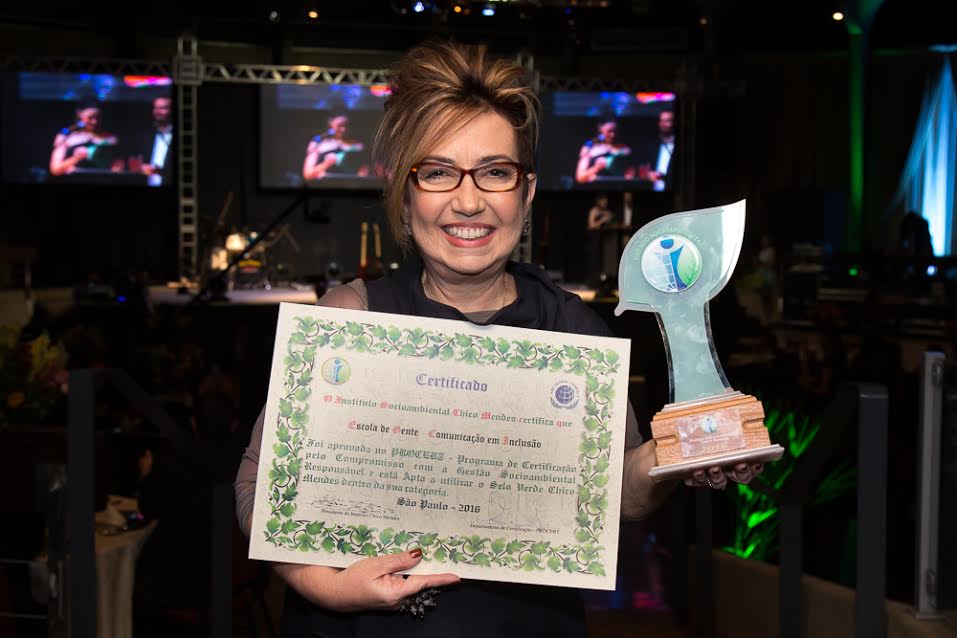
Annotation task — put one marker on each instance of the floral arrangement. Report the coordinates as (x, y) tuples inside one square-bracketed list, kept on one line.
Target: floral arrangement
[(33, 377)]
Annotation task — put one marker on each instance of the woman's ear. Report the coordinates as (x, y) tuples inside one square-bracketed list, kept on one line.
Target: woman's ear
[(530, 182)]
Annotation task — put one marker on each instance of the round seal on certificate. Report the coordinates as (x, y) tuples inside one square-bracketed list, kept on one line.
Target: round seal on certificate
[(336, 371), (564, 395)]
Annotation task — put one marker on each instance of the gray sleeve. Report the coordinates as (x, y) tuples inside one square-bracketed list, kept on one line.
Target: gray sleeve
[(245, 485), (353, 296), (632, 435)]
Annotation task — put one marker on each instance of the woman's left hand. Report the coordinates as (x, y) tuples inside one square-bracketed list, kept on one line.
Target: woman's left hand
[(717, 477)]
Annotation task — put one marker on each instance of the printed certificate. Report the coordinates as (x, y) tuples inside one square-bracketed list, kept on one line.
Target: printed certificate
[(498, 451)]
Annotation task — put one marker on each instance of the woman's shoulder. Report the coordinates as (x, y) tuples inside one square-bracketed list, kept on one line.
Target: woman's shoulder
[(351, 296), (578, 316)]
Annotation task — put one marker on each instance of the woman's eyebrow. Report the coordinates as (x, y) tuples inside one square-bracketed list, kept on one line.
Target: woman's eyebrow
[(438, 158), (482, 160), (495, 158)]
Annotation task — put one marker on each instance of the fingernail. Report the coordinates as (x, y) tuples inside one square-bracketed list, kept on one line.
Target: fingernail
[(415, 553), (758, 467)]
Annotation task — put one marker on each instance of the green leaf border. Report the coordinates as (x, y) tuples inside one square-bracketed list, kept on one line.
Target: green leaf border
[(596, 366)]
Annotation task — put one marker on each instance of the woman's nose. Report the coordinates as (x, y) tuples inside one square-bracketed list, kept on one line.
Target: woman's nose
[(468, 200)]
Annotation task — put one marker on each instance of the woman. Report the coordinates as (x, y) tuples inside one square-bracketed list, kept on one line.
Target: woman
[(602, 252), (456, 144), (328, 152), (599, 156), (82, 145)]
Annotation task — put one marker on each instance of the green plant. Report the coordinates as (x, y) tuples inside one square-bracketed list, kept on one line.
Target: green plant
[(33, 376), (756, 520)]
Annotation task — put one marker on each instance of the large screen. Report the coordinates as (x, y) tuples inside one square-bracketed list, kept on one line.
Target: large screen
[(319, 135), (607, 141), (88, 128)]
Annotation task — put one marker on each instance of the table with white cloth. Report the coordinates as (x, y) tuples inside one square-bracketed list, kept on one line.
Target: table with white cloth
[(116, 554)]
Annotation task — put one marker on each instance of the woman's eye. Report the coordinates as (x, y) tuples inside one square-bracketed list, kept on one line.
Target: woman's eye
[(435, 173), (498, 172)]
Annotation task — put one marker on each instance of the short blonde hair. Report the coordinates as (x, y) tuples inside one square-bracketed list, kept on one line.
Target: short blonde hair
[(438, 87)]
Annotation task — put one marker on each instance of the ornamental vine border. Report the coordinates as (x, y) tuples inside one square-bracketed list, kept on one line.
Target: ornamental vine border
[(286, 531)]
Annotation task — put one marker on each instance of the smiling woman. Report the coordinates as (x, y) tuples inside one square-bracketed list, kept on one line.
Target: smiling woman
[(455, 147)]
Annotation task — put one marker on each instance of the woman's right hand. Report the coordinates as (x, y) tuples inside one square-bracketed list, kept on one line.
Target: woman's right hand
[(371, 584)]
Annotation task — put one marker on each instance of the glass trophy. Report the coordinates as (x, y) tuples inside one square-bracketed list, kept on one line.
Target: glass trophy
[(673, 266)]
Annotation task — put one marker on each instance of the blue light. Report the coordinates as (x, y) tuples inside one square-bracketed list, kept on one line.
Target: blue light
[(488, 12), (121, 298), (931, 270), (418, 7)]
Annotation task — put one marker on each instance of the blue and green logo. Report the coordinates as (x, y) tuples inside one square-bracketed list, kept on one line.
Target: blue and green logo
[(671, 263), (336, 371)]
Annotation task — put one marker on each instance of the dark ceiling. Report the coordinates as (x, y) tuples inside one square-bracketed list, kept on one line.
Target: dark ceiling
[(715, 26)]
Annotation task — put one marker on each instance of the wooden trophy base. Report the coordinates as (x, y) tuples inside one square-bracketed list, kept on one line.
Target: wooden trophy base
[(721, 430)]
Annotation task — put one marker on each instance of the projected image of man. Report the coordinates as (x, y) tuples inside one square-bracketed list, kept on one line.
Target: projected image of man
[(665, 151), (334, 153), (160, 142)]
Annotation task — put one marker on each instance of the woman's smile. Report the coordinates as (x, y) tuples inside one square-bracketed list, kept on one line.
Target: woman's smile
[(468, 235)]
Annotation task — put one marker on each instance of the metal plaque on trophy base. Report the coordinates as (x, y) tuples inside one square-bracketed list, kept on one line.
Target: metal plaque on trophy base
[(673, 266)]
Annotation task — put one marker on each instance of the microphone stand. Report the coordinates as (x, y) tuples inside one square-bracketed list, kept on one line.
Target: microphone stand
[(205, 295)]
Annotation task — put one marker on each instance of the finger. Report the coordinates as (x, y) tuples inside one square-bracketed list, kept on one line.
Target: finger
[(757, 468), (741, 475), (699, 477), (715, 473), (392, 563), (414, 584), (720, 482)]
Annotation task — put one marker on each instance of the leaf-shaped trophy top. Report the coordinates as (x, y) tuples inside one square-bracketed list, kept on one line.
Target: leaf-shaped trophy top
[(682, 258)]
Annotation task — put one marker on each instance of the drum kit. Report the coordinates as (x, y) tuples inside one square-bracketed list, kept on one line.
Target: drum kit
[(250, 255), (246, 260)]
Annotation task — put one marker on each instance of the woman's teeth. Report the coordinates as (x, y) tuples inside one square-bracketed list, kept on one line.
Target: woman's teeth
[(467, 233)]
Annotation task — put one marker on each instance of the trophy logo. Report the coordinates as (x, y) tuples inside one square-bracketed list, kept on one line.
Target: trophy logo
[(671, 263), (673, 266)]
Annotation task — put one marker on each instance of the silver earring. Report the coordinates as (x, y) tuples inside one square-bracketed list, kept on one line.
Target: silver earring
[(525, 226), (407, 227)]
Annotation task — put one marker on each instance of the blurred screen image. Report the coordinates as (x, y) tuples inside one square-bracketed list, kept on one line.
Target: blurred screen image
[(319, 136), (607, 141), (82, 128)]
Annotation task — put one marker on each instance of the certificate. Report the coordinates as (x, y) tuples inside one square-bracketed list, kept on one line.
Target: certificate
[(498, 451)]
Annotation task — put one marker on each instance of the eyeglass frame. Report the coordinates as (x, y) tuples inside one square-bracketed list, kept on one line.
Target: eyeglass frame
[(414, 175)]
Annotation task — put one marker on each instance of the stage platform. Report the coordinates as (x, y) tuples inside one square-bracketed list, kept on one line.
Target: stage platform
[(59, 300)]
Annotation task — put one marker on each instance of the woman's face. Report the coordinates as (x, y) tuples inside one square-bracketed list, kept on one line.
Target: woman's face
[(468, 231), (90, 118), (608, 131)]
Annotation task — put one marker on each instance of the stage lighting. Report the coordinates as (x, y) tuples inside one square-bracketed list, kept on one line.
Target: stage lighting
[(703, 22), (837, 15), (236, 243), (457, 9), (273, 16), (931, 270), (488, 11), (313, 14), (418, 7)]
